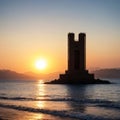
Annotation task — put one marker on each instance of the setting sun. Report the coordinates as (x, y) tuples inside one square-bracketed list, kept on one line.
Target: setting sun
[(41, 64)]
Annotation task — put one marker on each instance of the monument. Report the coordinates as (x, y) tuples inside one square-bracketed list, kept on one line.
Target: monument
[(77, 73)]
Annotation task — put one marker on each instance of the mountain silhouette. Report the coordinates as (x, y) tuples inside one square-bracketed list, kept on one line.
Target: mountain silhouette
[(12, 75), (107, 73), (6, 74)]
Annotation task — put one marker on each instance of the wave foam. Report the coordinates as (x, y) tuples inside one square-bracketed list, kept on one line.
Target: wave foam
[(97, 102), (77, 115)]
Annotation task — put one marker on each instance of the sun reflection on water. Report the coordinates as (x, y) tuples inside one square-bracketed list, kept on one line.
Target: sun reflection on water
[(41, 94)]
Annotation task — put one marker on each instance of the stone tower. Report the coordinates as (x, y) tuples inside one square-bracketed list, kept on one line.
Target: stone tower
[(77, 73), (76, 53)]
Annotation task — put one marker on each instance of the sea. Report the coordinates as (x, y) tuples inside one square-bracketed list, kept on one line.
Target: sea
[(33, 100)]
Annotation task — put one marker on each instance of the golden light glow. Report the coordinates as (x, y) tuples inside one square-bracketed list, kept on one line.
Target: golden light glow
[(41, 93), (41, 64), (40, 104)]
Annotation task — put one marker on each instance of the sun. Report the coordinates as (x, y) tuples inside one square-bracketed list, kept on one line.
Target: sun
[(41, 64)]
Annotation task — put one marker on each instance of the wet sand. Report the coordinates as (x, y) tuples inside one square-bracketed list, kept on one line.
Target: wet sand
[(11, 114)]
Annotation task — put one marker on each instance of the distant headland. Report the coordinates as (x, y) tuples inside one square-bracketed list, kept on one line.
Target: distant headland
[(77, 73)]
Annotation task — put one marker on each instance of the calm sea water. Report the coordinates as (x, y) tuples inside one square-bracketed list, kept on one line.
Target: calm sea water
[(32, 100)]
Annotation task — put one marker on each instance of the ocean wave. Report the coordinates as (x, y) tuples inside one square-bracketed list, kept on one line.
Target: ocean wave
[(56, 99), (69, 114), (96, 102), (17, 98), (112, 105)]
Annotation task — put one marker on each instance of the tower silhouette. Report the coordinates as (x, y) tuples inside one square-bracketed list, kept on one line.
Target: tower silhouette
[(77, 73), (76, 53)]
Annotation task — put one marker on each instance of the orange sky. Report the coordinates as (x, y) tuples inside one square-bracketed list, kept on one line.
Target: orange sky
[(34, 29)]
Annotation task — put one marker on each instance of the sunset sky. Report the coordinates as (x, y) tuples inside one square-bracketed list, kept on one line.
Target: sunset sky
[(35, 29)]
